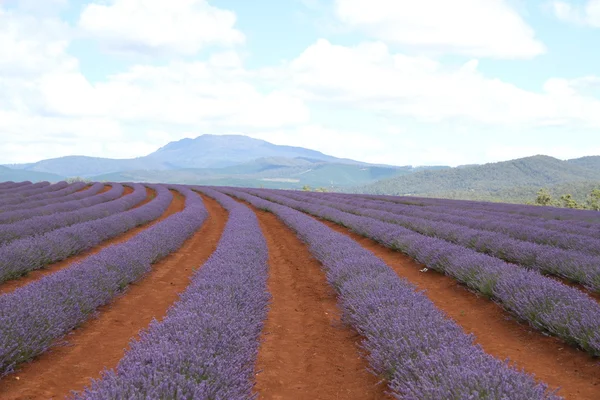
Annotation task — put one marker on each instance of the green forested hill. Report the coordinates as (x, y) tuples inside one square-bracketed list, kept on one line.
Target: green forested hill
[(516, 180)]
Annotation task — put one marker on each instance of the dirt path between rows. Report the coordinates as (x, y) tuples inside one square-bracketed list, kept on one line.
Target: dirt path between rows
[(306, 353), (9, 286), (550, 359), (101, 342)]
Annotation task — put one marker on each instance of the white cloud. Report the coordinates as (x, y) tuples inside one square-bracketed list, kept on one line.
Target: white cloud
[(216, 92), (49, 107), (158, 26), (489, 28), (30, 45), (369, 77), (589, 14)]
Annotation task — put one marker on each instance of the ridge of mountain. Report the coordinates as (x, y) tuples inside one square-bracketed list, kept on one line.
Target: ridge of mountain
[(205, 151), (532, 172)]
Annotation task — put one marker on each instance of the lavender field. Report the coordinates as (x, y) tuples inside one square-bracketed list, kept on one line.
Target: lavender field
[(179, 290)]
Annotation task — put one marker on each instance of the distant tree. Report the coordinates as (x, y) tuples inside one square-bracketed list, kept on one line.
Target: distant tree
[(306, 188), (543, 198), (568, 201), (77, 179), (321, 189), (593, 201)]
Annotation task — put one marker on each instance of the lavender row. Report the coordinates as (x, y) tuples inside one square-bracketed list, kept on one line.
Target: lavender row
[(506, 208), (24, 195), (10, 185), (21, 256), (544, 303), (421, 353), (65, 190), (95, 207), (513, 227), (206, 346), (574, 265), (72, 192), (25, 186), (33, 317), (578, 226), (85, 198)]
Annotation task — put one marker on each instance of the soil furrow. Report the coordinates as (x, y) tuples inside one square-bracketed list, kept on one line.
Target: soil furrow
[(306, 352), (101, 342), (32, 276), (548, 358)]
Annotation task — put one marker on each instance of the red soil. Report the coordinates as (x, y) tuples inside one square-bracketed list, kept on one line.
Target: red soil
[(550, 359), (106, 188), (101, 342), (32, 276), (306, 352)]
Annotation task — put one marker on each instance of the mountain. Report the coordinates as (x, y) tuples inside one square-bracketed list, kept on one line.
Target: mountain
[(224, 160), (206, 151), (9, 174), (84, 166), (272, 172), (590, 162), (508, 180), (217, 151)]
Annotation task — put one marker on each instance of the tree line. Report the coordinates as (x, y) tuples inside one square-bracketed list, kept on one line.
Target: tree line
[(567, 201)]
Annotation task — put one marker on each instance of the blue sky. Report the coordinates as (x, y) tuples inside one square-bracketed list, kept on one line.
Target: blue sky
[(404, 82)]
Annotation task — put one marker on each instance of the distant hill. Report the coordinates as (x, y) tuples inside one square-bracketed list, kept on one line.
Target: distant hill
[(274, 172), (590, 162), (84, 166), (217, 151), (234, 160), (515, 180), (206, 151), (8, 174), (237, 160)]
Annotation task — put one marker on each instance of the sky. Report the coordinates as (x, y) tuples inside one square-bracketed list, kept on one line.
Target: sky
[(428, 82)]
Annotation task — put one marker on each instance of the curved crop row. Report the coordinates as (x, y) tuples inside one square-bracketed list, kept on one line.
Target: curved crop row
[(546, 304), (10, 185), (555, 213), (421, 353), (574, 265), (33, 317), (513, 227), (73, 192), (36, 188), (578, 227), (35, 193), (98, 206), (64, 191), (27, 254), (206, 346)]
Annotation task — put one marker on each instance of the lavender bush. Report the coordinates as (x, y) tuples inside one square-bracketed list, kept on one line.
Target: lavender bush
[(571, 264), (513, 227), (207, 345), (95, 207), (65, 189), (27, 254), (72, 192), (36, 188), (546, 304), (581, 221), (505, 208), (33, 317), (421, 353), (10, 185)]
